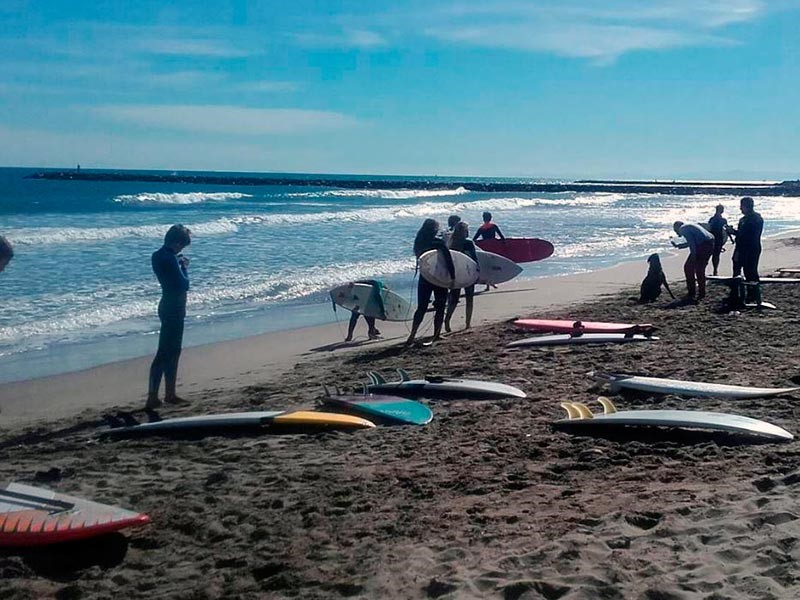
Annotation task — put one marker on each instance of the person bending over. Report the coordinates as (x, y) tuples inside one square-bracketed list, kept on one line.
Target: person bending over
[(460, 242), (717, 226), (701, 245), (171, 269), (426, 240), (6, 253)]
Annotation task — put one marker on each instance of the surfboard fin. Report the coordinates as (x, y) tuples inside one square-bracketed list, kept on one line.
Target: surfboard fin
[(404, 376), (376, 378), (583, 410), (608, 405), (572, 412)]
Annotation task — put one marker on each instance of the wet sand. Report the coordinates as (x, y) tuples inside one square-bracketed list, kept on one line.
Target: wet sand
[(485, 502)]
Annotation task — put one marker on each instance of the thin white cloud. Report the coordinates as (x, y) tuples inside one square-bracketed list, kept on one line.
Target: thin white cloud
[(349, 38), (269, 86), (197, 47), (228, 120)]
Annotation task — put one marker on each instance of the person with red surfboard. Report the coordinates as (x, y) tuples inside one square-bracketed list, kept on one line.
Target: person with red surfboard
[(488, 231)]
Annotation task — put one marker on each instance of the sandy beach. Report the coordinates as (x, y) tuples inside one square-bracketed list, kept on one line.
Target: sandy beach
[(485, 502)]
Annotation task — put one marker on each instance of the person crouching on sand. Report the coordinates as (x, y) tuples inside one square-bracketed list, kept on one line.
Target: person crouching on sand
[(426, 240), (701, 247), (171, 269), (6, 253), (460, 242)]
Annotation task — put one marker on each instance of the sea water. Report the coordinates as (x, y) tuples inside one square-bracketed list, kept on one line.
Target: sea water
[(80, 291)]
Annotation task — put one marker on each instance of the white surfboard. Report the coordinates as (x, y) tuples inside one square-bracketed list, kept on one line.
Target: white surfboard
[(565, 339), (678, 387), (495, 268), (581, 419), (762, 280), (433, 267), (359, 297), (441, 388), (789, 270)]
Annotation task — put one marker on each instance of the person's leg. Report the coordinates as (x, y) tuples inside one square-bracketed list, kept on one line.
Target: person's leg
[(372, 332), (157, 370), (736, 263), (424, 289), (351, 326), (452, 301), (688, 271), (439, 304), (469, 293), (704, 253), (750, 267), (715, 257), (175, 343)]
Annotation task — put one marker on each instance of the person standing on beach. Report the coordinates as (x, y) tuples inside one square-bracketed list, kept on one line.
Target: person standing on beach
[(171, 269), (6, 253), (460, 242), (701, 246), (717, 226), (748, 241), (426, 240)]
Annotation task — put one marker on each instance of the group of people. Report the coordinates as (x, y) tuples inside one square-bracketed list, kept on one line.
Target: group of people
[(706, 243)]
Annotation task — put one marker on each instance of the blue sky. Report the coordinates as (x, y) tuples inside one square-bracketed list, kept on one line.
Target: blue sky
[(613, 88)]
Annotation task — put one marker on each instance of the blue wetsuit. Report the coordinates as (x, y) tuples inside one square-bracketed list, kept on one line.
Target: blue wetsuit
[(174, 280)]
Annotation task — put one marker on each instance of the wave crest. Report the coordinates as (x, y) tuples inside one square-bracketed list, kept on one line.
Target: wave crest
[(179, 197)]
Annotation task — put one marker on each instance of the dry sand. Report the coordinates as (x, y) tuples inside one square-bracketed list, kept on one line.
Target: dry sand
[(485, 502)]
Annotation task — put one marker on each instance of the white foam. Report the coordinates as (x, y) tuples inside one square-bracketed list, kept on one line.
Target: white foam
[(179, 198), (382, 194)]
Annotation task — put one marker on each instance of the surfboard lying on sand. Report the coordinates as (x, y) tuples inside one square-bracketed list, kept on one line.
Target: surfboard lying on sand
[(789, 270), (762, 280), (441, 388), (495, 268), (520, 250), (388, 409), (360, 297), (433, 267), (568, 326), (580, 420), (565, 339), (32, 516), (678, 387), (268, 421)]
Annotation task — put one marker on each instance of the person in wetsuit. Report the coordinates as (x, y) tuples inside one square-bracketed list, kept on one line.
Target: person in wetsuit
[(701, 247), (452, 221), (748, 244), (170, 267), (372, 331), (717, 226), (6, 253), (489, 230), (460, 242), (426, 240)]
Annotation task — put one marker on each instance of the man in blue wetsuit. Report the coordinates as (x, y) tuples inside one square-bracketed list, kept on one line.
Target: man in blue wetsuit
[(170, 267)]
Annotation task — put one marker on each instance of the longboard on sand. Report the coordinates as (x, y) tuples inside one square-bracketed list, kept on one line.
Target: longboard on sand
[(261, 421), (566, 339), (32, 516), (581, 420), (788, 270), (433, 267), (762, 280), (495, 268), (389, 409), (658, 385), (520, 250), (442, 388), (572, 326), (360, 297)]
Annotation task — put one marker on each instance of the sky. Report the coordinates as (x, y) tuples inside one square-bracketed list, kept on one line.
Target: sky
[(549, 88)]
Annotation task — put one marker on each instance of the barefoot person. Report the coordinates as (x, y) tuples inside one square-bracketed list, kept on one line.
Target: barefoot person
[(717, 226), (748, 243), (6, 253), (426, 240), (488, 231), (372, 331), (701, 245), (460, 242), (170, 267)]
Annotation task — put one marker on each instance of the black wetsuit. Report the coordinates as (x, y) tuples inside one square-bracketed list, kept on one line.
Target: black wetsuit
[(425, 287), (748, 246), (174, 282), (716, 225), (467, 248)]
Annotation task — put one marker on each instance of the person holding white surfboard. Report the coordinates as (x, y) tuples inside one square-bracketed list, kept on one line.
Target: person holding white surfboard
[(427, 239), (460, 242), (372, 331)]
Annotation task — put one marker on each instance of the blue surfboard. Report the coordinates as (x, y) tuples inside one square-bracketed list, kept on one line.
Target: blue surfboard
[(389, 409)]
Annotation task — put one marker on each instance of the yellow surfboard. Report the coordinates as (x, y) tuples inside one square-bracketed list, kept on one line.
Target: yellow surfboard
[(309, 418)]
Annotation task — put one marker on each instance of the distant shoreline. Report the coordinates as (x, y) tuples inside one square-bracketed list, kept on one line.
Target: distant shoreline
[(786, 188)]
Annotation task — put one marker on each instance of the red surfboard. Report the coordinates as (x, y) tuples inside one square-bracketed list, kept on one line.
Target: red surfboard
[(31, 516), (519, 250), (566, 326)]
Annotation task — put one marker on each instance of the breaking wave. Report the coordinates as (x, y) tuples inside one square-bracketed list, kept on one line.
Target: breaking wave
[(179, 198)]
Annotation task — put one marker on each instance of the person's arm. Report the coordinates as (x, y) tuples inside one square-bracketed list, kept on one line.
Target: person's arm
[(451, 267), (477, 235), (500, 233), (175, 273), (469, 250)]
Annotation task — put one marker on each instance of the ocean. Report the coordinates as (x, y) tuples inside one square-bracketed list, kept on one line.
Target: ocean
[(80, 291)]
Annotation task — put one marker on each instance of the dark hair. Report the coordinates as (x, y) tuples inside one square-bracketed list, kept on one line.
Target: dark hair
[(487, 216), (720, 208), (460, 233), (747, 201), (425, 236), (452, 220), (178, 234), (6, 251), (677, 225)]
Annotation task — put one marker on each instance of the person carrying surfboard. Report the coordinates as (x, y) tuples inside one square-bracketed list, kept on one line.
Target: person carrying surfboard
[(427, 239), (701, 246), (460, 242), (372, 331), (171, 269), (6, 253), (488, 231)]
